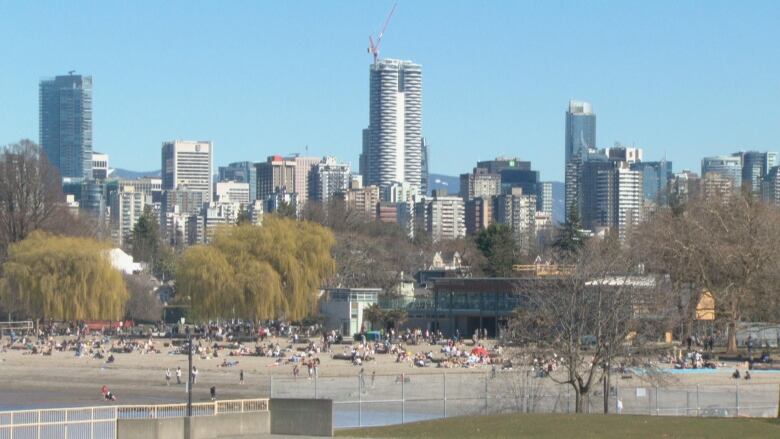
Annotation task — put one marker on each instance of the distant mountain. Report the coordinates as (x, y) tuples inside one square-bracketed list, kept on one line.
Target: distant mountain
[(130, 175), (440, 181)]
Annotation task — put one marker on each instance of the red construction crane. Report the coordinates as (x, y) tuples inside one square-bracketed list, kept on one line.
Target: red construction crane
[(373, 49)]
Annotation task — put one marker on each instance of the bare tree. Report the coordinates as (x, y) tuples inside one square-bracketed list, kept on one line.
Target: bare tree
[(143, 304), (585, 317), (30, 192), (726, 246)]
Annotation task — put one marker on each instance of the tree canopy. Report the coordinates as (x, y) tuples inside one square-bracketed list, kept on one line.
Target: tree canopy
[(63, 278), (726, 246), (498, 245), (570, 239), (258, 272)]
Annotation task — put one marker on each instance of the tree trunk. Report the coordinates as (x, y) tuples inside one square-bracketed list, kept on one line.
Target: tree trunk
[(606, 389), (732, 338), (577, 400)]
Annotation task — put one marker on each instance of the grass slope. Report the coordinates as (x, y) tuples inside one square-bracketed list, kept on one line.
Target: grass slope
[(576, 426)]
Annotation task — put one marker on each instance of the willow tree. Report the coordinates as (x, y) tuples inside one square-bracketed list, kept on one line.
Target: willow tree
[(62, 278), (259, 272)]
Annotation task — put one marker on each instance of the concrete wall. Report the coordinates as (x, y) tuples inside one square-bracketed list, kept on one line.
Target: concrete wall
[(150, 428), (202, 427), (306, 417), (235, 424)]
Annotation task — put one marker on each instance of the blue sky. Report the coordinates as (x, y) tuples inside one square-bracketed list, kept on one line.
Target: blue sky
[(679, 78)]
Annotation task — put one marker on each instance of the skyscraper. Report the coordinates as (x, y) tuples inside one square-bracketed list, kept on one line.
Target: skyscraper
[(187, 164), (728, 167), (580, 128), (65, 131), (580, 137), (655, 181), (755, 166), (392, 144)]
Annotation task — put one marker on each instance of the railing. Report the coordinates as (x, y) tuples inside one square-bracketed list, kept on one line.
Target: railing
[(394, 399), (100, 422), (23, 327)]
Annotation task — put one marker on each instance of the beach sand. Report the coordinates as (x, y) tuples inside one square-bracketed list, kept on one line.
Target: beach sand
[(62, 379)]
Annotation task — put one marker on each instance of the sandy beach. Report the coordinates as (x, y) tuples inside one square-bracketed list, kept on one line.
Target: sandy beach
[(62, 379)]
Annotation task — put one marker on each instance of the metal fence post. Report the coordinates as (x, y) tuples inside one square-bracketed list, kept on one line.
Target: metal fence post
[(445, 395), (656, 400), (486, 394), (270, 386), (698, 404), (737, 384), (403, 399), (360, 403)]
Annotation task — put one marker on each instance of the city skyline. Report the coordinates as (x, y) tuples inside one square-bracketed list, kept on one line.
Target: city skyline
[(682, 90)]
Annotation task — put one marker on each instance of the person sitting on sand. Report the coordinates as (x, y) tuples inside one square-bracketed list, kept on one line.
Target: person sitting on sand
[(735, 375)]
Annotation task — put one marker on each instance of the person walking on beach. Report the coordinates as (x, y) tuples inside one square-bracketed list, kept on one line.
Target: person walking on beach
[(167, 377), (194, 374), (362, 380), (241, 377), (178, 375)]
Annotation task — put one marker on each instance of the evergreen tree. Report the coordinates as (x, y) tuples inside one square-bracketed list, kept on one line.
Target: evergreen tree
[(145, 239), (570, 239), (498, 245)]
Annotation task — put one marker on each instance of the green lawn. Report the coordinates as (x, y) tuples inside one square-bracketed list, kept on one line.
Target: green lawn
[(577, 426)]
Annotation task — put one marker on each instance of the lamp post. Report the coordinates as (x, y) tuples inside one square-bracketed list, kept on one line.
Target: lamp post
[(189, 374)]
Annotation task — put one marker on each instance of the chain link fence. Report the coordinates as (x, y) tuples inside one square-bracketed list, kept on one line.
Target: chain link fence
[(394, 399)]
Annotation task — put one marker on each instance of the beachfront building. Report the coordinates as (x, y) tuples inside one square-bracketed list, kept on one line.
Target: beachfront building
[(343, 308)]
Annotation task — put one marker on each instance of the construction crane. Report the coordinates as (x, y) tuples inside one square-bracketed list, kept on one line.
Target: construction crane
[(373, 48)]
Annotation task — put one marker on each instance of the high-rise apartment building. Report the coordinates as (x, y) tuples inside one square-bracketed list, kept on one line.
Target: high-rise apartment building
[(328, 177), (65, 130), (442, 216), (304, 170), (276, 174), (478, 214), (479, 183), (362, 199), (127, 206), (728, 167), (400, 193), (187, 165), (580, 137), (241, 172), (544, 197), (232, 192), (424, 168), (393, 144), (619, 198), (517, 211)]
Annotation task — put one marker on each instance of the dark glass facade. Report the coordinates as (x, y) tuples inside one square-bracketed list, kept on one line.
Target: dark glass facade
[(65, 131)]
